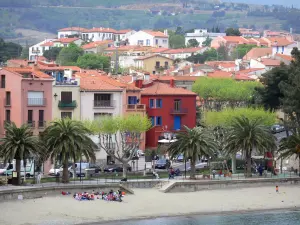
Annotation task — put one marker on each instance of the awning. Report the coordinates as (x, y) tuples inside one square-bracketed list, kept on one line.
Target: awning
[(165, 141)]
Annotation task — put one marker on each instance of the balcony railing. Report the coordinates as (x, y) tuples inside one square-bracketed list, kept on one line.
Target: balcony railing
[(104, 104), (36, 101), (41, 124), (136, 107), (31, 123), (64, 105), (67, 83), (179, 111), (36, 51)]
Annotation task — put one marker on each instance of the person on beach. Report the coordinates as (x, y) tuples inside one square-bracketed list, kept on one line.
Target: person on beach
[(38, 178), (277, 189), (214, 173)]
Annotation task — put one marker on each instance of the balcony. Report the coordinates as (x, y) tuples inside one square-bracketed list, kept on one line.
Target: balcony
[(31, 123), (41, 124), (36, 101), (104, 104), (70, 105), (36, 51), (179, 111), (136, 107)]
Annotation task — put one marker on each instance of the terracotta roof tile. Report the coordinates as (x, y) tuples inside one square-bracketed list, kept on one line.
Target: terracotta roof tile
[(96, 44), (96, 83), (73, 29), (280, 41), (285, 57), (220, 74), (251, 70), (235, 39), (49, 43), (270, 62), (256, 53), (123, 31), (182, 50), (158, 88), (159, 50), (21, 62), (242, 76), (156, 33), (28, 70), (66, 40)]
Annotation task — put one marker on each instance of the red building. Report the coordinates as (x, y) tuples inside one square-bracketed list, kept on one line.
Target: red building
[(168, 107)]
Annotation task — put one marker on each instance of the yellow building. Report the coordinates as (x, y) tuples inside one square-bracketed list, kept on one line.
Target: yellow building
[(154, 64)]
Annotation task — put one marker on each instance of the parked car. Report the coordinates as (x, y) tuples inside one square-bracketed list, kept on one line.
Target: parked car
[(277, 128), (140, 153), (180, 158), (116, 168), (198, 166), (162, 164)]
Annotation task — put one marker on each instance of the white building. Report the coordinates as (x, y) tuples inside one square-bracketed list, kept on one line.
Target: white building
[(183, 53), (39, 48), (65, 32), (264, 63), (149, 38), (122, 35), (64, 42), (201, 35), (99, 34)]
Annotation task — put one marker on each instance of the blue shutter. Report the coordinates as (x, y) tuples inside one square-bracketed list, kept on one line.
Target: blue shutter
[(153, 120), (158, 103), (134, 100), (158, 121), (151, 103)]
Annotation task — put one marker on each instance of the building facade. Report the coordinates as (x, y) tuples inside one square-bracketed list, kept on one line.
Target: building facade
[(149, 38), (153, 63), (201, 35), (38, 49)]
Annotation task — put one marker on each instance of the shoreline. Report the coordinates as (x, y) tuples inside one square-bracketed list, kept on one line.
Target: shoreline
[(193, 214)]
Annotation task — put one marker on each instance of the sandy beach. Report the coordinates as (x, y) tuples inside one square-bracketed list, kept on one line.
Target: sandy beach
[(145, 203)]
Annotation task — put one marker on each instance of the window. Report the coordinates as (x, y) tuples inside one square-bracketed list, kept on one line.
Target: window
[(2, 81), (30, 116), (157, 64), (166, 64), (41, 118), (151, 103), (132, 100), (7, 99), (148, 42), (165, 41), (35, 98), (158, 121), (156, 41), (64, 115), (98, 116), (7, 115), (66, 97), (140, 42), (177, 104), (102, 100), (158, 103), (152, 121)]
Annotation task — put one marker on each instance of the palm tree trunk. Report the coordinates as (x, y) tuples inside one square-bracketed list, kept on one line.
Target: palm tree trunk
[(18, 169), (65, 177), (249, 165), (193, 169)]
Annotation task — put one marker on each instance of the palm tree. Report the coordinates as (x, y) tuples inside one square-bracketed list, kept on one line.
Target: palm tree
[(247, 135), (193, 144), (290, 146), (66, 140), (19, 144)]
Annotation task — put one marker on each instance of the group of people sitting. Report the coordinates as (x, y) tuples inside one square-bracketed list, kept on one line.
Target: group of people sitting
[(110, 196)]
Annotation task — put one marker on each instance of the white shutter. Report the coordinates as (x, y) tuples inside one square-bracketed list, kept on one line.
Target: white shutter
[(35, 98)]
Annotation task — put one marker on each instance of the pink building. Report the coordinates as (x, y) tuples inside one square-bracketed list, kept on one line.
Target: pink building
[(25, 98)]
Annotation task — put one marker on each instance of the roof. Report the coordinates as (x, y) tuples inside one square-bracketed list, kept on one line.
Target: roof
[(176, 78), (21, 62), (95, 44), (227, 64), (49, 43), (101, 30), (280, 41), (242, 76), (66, 40), (285, 57), (123, 31), (151, 56), (155, 33), (158, 88), (60, 68), (251, 70), (270, 62), (129, 48), (28, 70), (96, 83), (182, 50), (73, 29), (235, 39), (220, 74), (159, 50), (256, 53)]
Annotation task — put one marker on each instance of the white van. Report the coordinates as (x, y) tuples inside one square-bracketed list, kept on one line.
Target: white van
[(28, 171)]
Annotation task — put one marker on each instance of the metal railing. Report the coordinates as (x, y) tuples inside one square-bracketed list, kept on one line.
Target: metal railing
[(41, 124), (136, 107), (72, 104), (31, 123), (179, 111), (104, 103), (36, 101)]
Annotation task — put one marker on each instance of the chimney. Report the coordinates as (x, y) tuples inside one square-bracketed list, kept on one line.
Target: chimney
[(139, 83), (172, 83)]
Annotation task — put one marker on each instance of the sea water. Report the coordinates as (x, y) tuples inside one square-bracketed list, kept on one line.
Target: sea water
[(254, 218)]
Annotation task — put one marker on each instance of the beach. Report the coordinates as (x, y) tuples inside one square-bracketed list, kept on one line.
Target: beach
[(146, 203)]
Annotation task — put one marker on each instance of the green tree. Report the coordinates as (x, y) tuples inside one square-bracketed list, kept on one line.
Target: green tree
[(25, 53), (9, 50), (247, 135), (52, 53), (193, 43), (208, 55), (93, 61), (269, 94), (289, 147), (232, 32), (66, 140), (120, 137), (68, 56), (207, 42), (193, 144), (241, 50), (19, 144)]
